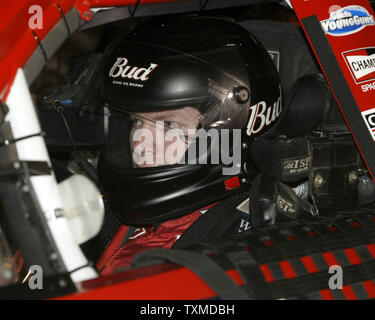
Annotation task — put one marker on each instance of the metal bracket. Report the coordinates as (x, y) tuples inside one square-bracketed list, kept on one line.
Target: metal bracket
[(83, 8)]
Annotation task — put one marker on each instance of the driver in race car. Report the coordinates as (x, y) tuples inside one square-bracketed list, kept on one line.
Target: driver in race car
[(184, 99)]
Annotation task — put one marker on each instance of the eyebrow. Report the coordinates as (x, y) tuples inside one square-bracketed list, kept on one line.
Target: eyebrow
[(169, 115)]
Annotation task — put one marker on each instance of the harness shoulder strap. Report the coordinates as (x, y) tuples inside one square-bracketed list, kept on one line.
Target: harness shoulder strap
[(215, 223), (205, 268)]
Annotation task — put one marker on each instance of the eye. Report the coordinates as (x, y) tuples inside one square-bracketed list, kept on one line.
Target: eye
[(137, 122), (171, 124)]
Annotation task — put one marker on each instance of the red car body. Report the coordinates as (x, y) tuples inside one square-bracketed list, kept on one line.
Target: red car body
[(17, 44)]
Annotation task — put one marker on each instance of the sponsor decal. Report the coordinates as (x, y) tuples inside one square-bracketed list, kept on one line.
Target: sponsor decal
[(369, 117), (244, 226), (137, 232), (262, 116), (293, 166), (361, 63), (286, 207), (368, 87), (244, 206), (121, 69), (347, 20)]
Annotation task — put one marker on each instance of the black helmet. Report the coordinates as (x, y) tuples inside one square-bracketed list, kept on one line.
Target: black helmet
[(211, 64)]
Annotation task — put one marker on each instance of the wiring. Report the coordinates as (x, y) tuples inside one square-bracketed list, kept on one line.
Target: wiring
[(132, 13), (12, 141)]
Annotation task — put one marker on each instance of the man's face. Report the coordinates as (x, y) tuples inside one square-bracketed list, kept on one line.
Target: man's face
[(161, 138)]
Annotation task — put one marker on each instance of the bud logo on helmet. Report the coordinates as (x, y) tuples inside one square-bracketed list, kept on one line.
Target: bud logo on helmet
[(123, 70), (347, 20), (262, 116), (361, 63)]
